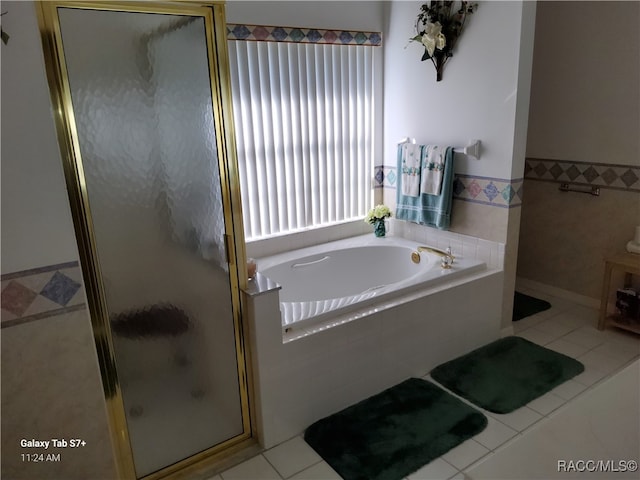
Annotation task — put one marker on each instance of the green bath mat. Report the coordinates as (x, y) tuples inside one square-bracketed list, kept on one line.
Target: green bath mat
[(525, 306), (506, 374), (394, 433)]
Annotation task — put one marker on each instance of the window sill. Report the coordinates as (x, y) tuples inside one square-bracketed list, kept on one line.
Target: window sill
[(306, 238)]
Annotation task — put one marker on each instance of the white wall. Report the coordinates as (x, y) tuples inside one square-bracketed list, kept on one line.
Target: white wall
[(348, 15), (585, 96), (477, 97), (37, 229), (484, 94), (585, 107)]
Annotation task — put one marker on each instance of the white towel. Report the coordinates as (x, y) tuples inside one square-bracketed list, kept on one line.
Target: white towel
[(432, 169), (411, 161)]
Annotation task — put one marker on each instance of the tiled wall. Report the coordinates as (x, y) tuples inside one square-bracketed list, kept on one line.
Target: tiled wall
[(41, 292), (492, 253), (304, 380), (264, 33), (604, 175), (485, 214), (51, 385), (565, 236), (495, 192)]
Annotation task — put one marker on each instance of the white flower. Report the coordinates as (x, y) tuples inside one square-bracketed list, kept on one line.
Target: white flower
[(433, 37), (429, 43), (379, 212)]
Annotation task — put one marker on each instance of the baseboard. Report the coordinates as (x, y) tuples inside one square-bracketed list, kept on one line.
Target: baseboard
[(558, 292), (507, 331)]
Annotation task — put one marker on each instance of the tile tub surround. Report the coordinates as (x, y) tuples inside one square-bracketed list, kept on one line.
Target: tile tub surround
[(604, 353), (301, 381), (491, 253)]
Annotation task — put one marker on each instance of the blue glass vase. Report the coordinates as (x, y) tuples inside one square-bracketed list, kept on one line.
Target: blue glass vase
[(379, 228)]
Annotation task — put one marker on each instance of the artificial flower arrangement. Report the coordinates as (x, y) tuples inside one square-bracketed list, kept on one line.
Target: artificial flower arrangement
[(379, 212), (376, 218), (439, 25)]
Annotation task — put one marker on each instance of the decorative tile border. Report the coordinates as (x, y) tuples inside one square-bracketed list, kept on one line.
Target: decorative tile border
[(496, 192), (264, 33), (40, 293), (603, 175)]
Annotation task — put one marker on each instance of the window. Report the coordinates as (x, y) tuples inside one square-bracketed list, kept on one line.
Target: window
[(304, 121)]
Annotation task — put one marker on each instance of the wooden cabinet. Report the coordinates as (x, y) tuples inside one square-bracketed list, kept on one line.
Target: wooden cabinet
[(629, 264)]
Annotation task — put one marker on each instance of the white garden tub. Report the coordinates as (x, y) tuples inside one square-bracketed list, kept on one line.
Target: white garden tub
[(353, 276)]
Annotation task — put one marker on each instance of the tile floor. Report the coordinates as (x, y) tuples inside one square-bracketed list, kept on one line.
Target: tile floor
[(566, 327)]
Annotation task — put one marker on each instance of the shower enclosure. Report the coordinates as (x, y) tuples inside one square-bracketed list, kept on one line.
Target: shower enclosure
[(144, 123)]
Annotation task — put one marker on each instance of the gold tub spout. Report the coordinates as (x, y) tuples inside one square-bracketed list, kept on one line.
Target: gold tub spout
[(447, 257)]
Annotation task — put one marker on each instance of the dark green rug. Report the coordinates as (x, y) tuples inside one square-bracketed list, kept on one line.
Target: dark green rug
[(525, 306), (394, 433), (506, 374)]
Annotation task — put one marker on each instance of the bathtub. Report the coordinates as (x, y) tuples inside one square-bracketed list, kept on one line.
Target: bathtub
[(339, 281)]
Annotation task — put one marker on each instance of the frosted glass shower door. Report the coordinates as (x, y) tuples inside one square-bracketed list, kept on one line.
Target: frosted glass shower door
[(140, 86)]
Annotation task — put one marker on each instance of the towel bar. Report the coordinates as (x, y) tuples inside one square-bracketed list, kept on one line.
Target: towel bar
[(565, 187), (471, 150)]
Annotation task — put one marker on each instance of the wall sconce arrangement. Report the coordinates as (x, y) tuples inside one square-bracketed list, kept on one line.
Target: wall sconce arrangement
[(439, 25)]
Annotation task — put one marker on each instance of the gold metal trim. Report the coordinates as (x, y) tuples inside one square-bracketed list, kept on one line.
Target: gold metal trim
[(447, 258), (55, 64)]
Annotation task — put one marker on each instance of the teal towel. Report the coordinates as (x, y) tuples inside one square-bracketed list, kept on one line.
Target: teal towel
[(431, 210)]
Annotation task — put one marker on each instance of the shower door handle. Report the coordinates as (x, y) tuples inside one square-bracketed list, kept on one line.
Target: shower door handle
[(230, 254)]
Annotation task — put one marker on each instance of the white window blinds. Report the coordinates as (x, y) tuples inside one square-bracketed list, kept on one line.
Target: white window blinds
[(304, 121)]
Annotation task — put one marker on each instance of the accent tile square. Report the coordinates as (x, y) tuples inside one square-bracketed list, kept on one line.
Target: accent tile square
[(74, 273), (16, 298), (60, 289), (629, 178)]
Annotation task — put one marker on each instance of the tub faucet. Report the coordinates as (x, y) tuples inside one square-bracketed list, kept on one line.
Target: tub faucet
[(447, 257)]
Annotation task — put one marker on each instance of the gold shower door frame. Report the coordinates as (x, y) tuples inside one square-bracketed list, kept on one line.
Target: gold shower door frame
[(213, 15)]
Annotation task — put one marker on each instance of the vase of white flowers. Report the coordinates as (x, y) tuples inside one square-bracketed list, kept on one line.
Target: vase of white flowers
[(376, 217)]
